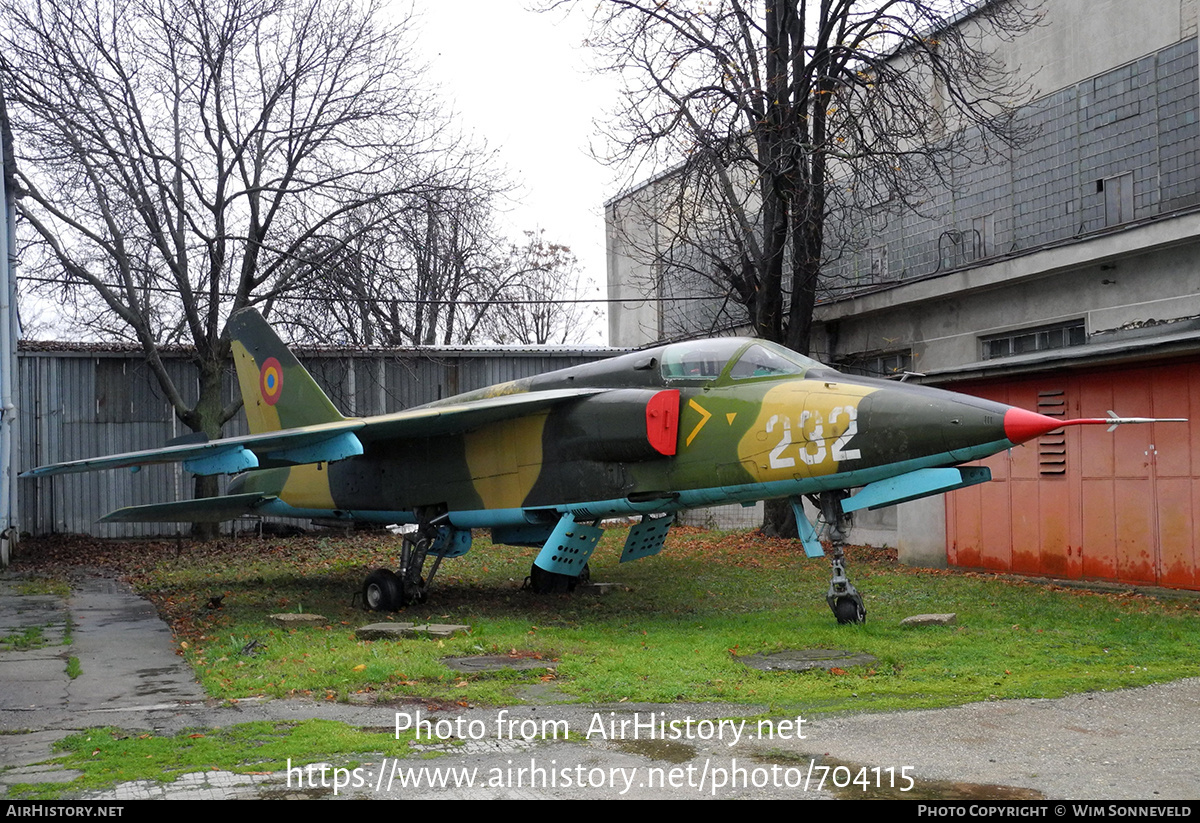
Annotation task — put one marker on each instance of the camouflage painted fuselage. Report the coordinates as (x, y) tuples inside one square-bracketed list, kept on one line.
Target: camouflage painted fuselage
[(745, 421)]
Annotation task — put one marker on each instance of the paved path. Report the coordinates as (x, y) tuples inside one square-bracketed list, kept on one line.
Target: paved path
[(1135, 744)]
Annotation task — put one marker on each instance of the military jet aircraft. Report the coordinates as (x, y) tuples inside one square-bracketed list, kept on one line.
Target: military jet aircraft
[(543, 460)]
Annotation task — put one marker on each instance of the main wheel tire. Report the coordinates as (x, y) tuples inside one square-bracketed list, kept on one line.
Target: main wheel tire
[(585, 577), (544, 582), (847, 611), (381, 591)]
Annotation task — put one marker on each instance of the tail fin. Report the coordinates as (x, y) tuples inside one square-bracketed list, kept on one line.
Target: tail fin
[(277, 391)]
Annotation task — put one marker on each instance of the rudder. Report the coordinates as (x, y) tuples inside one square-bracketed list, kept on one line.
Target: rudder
[(277, 391)]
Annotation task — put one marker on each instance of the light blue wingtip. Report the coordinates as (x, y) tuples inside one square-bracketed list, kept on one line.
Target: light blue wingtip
[(224, 461)]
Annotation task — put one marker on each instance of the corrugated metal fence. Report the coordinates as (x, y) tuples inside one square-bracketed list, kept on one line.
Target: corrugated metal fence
[(83, 403)]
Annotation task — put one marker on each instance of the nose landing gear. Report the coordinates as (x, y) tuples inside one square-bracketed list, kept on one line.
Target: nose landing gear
[(843, 599)]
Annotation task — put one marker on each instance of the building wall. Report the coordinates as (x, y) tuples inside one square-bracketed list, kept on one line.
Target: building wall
[(1055, 254), (1125, 284), (1109, 150), (633, 276), (1084, 503), (1077, 39), (661, 244)]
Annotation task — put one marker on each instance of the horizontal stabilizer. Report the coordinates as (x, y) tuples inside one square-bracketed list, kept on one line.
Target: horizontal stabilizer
[(915, 485), (205, 510)]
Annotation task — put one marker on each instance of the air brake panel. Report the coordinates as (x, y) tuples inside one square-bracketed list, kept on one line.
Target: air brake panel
[(662, 421)]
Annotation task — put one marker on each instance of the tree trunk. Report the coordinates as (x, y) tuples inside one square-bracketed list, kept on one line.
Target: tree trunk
[(778, 519), (207, 417)]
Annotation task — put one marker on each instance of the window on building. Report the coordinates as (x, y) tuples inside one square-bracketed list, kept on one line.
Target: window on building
[(981, 241), (879, 263), (1118, 199), (1043, 338), (879, 364)]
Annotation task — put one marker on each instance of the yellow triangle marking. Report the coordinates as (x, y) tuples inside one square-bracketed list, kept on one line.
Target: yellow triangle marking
[(704, 415), (729, 416)]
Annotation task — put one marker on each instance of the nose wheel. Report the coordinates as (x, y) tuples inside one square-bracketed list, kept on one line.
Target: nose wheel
[(843, 599), (849, 611)]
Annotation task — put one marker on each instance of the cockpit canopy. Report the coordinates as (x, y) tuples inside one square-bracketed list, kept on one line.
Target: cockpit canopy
[(734, 357)]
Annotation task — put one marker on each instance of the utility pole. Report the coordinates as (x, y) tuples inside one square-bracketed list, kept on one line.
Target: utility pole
[(10, 332)]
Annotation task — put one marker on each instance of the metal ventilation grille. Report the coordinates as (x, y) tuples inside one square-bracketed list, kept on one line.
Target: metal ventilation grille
[(1052, 446)]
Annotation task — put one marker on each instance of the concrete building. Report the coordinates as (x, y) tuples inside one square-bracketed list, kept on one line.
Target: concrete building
[(1063, 278)]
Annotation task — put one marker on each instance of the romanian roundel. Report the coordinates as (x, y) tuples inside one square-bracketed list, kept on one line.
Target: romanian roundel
[(270, 380)]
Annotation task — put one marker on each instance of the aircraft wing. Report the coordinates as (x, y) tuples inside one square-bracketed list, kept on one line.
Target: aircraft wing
[(432, 420), (325, 442)]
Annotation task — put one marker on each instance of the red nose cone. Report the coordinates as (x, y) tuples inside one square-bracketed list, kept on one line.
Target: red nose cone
[(1021, 425)]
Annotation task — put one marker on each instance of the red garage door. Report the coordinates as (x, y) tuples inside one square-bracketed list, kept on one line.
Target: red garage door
[(1083, 502)]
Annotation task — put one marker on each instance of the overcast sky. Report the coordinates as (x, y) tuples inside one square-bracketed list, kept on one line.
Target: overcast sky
[(522, 82)]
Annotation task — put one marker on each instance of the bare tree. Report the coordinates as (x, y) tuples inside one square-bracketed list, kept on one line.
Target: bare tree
[(416, 274), (787, 117), (545, 301), (784, 122), (438, 272), (179, 159), (451, 244)]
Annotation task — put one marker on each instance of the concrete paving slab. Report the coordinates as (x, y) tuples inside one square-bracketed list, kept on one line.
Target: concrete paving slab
[(496, 663), (389, 631), (33, 680), (290, 620), (801, 660), (126, 653), (22, 750), (47, 773), (918, 620)]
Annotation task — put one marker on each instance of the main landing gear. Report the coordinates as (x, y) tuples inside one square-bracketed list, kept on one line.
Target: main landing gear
[(541, 581), (843, 599), (388, 591)]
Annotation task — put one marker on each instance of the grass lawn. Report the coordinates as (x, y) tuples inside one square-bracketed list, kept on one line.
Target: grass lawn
[(673, 629)]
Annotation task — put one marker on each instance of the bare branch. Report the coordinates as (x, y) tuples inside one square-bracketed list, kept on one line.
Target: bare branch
[(776, 126), (183, 158)]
